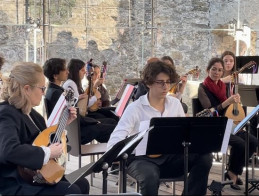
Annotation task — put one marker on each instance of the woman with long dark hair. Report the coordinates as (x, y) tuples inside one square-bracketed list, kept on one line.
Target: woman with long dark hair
[(99, 129)]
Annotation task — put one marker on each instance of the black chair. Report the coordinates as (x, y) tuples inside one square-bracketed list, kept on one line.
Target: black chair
[(196, 106), (78, 149)]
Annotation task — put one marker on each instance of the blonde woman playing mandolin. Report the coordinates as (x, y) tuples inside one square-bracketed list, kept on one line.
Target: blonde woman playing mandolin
[(20, 124)]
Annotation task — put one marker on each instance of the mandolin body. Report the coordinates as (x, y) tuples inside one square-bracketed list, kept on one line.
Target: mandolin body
[(236, 112), (53, 171)]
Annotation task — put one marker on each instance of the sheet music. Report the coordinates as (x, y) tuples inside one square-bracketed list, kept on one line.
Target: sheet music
[(142, 146), (135, 139), (124, 100), (55, 114), (227, 136)]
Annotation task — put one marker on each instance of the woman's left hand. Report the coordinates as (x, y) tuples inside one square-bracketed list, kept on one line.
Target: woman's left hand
[(183, 78), (72, 115)]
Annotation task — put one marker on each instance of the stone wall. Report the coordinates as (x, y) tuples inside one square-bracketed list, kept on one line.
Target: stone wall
[(120, 32)]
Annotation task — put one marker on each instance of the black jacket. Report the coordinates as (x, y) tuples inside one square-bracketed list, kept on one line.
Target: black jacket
[(52, 95), (17, 133)]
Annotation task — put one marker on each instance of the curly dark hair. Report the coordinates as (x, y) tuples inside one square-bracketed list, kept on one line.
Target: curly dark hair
[(151, 70), (53, 66)]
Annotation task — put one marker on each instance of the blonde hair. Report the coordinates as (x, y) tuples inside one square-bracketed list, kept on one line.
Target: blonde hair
[(23, 73)]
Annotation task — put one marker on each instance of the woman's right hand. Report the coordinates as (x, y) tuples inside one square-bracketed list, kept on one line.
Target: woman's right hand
[(55, 150), (234, 98), (227, 79)]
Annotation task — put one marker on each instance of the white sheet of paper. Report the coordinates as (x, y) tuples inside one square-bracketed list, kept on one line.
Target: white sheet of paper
[(135, 139), (55, 114), (141, 148), (226, 136)]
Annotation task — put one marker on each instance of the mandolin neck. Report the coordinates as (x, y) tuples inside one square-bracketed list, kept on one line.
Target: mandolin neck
[(61, 125)]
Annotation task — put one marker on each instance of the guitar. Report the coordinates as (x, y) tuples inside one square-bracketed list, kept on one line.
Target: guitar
[(53, 171), (174, 87), (235, 111)]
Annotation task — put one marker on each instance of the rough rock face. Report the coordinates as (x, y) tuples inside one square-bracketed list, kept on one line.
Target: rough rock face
[(121, 33)]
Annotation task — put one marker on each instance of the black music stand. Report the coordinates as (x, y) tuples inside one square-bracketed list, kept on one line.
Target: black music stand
[(105, 161), (239, 127), (249, 94), (181, 135)]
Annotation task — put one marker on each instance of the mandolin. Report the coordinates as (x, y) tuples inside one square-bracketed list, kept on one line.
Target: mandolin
[(173, 89), (97, 105), (83, 103), (53, 171), (235, 111)]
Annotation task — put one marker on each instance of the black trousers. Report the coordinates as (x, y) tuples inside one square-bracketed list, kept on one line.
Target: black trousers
[(106, 112), (100, 132), (237, 152), (148, 171)]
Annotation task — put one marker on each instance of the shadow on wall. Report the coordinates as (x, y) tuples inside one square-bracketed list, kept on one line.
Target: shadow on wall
[(66, 46)]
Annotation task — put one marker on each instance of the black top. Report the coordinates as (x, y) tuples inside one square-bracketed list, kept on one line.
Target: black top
[(52, 95)]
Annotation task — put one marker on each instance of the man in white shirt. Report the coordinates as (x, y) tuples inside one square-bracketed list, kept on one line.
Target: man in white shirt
[(158, 77)]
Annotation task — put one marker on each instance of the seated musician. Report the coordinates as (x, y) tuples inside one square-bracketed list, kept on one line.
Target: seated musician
[(212, 93), (142, 89), (158, 77), (99, 129), (229, 60), (102, 107), (56, 72), (20, 124)]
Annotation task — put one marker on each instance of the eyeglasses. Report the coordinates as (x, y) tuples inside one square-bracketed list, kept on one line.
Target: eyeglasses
[(43, 88), (214, 69), (162, 83)]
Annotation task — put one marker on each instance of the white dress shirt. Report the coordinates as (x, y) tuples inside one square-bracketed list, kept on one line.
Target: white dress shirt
[(141, 110)]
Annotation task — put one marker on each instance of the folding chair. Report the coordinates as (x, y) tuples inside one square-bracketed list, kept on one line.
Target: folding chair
[(79, 150)]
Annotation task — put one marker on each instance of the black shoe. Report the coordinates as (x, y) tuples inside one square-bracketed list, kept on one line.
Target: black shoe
[(235, 187), (239, 181)]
